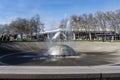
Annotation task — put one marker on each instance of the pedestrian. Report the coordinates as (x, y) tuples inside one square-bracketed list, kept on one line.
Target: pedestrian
[(103, 39), (110, 38)]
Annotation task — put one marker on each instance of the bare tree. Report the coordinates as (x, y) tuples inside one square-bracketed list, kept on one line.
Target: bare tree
[(75, 22), (20, 26), (36, 25), (117, 17), (102, 23), (112, 22)]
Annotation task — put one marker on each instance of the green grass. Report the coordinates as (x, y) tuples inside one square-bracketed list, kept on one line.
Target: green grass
[(96, 40), (89, 40), (116, 40), (35, 40), (25, 40)]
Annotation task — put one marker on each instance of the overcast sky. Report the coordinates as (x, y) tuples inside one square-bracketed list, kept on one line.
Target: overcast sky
[(52, 11)]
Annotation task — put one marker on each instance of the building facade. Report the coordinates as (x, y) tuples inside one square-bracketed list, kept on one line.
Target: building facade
[(62, 34)]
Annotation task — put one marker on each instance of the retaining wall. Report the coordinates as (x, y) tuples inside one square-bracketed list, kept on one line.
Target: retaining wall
[(78, 46)]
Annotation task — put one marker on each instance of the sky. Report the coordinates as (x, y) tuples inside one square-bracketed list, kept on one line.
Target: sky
[(52, 11)]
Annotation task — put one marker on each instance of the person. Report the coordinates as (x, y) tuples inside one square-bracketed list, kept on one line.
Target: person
[(0, 40), (103, 39), (110, 38)]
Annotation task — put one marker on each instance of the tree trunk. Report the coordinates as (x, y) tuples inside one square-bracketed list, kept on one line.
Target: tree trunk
[(90, 38), (119, 36)]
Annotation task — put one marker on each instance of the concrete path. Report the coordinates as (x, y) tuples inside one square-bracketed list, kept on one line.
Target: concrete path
[(56, 72)]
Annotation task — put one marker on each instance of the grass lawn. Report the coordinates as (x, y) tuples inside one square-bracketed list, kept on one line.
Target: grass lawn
[(97, 40)]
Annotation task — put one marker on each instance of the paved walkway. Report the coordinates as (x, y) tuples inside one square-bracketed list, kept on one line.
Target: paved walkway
[(59, 72)]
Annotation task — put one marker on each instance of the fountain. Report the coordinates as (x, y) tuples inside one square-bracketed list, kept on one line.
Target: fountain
[(57, 53), (61, 50)]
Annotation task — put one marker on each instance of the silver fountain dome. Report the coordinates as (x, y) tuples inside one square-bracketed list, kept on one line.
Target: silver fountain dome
[(61, 50)]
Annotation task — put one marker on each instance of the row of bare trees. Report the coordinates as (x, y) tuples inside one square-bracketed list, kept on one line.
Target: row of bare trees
[(103, 22), (23, 26)]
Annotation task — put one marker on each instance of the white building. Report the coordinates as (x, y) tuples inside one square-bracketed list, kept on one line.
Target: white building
[(77, 34)]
